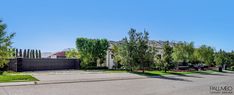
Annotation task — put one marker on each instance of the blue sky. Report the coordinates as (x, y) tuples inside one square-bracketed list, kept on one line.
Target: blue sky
[(53, 25)]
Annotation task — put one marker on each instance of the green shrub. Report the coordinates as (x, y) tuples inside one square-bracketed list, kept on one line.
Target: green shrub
[(232, 68)]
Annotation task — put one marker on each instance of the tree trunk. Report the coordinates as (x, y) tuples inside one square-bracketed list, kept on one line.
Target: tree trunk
[(165, 69)]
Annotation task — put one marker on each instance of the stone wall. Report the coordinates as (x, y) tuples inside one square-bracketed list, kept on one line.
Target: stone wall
[(24, 64)]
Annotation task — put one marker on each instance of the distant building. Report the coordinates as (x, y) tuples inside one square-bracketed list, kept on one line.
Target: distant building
[(46, 54), (58, 55)]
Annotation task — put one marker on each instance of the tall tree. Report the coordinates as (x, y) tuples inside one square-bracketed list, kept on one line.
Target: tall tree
[(205, 54), (25, 53), (135, 51), (28, 53), (20, 53), (16, 53), (39, 54), (36, 54), (167, 55), (13, 53), (31, 54), (92, 50), (5, 45), (183, 52)]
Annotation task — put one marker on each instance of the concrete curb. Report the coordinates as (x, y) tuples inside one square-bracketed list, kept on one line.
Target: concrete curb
[(67, 81), (16, 84), (87, 80)]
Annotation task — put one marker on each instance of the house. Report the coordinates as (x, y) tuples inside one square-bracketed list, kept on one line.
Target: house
[(60, 54)]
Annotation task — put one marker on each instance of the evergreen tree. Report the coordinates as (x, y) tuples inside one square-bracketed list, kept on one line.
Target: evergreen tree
[(25, 53), (28, 53), (16, 53), (33, 54), (167, 55), (39, 54), (5, 45), (20, 53), (36, 54), (13, 53)]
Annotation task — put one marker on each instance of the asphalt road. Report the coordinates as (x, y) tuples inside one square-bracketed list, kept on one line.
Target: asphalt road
[(169, 85)]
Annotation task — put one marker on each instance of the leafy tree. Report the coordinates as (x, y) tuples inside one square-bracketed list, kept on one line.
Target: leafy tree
[(13, 53), (183, 52), (158, 62), (145, 52), (223, 59), (115, 49), (219, 58), (5, 45), (205, 54), (92, 51), (134, 51), (101, 47), (167, 55), (72, 53)]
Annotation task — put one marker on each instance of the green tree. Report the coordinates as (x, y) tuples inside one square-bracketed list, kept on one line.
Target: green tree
[(16, 53), (115, 49), (92, 51), (28, 53), (32, 54), (205, 54), (20, 53), (167, 55), (223, 59), (219, 58), (13, 54), (72, 53), (39, 54), (183, 52), (25, 53), (36, 54), (5, 45), (134, 51)]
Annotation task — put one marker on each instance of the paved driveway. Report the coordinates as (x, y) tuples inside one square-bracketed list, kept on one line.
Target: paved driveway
[(74, 75), (169, 85)]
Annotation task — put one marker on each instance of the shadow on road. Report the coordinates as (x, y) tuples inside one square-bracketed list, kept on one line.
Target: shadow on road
[(185, 75), (208, 73), (160, 76)]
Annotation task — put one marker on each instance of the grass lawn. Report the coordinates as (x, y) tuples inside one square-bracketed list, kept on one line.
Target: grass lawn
[(16, 77)]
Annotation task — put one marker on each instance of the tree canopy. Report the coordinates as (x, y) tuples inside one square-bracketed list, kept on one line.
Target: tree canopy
[(92, 51), (183, 52), (5, 45)]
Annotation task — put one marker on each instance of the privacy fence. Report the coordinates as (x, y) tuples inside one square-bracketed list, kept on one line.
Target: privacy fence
[(24, 64)]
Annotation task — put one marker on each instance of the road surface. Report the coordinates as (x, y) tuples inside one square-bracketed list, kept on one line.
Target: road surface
[(169, 85)]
